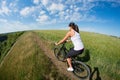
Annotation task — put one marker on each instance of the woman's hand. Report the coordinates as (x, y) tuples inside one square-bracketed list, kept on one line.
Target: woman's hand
[(63, 42), (68, 40), (56, 44), (64, 39)]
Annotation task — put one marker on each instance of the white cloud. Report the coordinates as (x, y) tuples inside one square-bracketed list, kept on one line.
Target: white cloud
[(67, 17), (54, 10), (14, 6), (27, 10), (76, 16), (65, 10), (86, 28), (14, 26), (3, 20), (42, 18), (61, 10), (113, 3), (56, 7), (42, 12), (45, 2), (61, 13), (4, 10), (36, 1)]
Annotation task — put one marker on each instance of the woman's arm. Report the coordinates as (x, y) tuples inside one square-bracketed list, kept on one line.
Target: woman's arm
[(64, 39)]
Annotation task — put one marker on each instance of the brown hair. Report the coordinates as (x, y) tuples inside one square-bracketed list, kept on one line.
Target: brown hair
[(74, 26)]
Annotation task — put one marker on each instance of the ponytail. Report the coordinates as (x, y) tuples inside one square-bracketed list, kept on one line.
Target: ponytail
[(74, 26)]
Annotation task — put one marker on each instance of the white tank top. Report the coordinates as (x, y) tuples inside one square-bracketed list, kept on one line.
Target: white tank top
[(77, 42)]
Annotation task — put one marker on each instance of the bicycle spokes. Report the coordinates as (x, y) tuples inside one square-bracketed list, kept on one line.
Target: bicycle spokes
[(81, 70)]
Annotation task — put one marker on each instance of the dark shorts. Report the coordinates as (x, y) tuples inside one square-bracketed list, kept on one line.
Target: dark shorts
[(74, 53)]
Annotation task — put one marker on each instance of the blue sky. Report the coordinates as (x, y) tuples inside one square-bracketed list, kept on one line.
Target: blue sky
[(100, 16)]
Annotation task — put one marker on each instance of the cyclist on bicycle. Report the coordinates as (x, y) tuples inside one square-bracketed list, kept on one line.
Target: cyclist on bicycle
[(73, 33)]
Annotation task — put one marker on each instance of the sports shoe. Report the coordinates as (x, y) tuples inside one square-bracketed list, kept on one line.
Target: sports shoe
[(70, 69)]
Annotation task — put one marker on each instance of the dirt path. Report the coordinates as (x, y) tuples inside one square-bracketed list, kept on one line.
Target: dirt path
[(61, 66)]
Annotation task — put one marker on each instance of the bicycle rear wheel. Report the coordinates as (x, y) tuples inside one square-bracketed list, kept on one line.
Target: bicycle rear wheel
[(81, 70), (60, 54)]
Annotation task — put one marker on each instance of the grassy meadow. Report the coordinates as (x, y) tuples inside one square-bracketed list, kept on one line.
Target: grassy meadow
[(103, 51), (26, 61)]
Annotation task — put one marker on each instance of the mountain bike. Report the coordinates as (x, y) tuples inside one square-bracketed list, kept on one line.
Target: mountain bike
[(81, 70)]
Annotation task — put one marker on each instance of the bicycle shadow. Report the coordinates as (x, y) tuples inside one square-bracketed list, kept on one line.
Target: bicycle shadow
[(85, 57), (95, 74)]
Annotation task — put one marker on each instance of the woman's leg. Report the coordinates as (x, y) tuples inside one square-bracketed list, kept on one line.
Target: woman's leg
[(70, 65), (69, 62)]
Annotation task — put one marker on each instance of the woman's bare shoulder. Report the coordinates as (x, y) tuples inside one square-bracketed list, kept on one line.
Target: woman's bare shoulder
[(69, 33)]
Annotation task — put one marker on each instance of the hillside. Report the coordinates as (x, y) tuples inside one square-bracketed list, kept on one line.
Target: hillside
[(101, 52), (6, 42), (26, 61), (32, 58)]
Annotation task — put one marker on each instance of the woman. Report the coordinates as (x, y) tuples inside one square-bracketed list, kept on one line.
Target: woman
[(73, 33)]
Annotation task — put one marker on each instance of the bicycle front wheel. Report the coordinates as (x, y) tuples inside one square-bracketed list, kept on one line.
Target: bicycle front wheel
[(60, 54), (81, 70)]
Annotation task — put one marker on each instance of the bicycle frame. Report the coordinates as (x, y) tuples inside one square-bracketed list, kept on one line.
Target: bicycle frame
[(65, 49), (79, 66)]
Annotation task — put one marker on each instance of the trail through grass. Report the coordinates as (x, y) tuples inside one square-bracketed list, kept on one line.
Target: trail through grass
[(26, 61), (103, 50)]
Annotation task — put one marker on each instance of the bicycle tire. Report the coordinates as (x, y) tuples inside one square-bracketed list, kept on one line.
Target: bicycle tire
[(81, 70), (59, 54)]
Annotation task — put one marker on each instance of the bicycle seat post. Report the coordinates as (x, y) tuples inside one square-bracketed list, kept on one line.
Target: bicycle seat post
[(73, 58)]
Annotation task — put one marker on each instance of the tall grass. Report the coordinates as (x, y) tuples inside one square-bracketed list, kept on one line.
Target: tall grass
[(6, 42), (27, 61), (104, 51)]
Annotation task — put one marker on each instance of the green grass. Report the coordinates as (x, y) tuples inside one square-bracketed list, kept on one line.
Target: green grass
[(27, 61), (104, 51), (6, 42)]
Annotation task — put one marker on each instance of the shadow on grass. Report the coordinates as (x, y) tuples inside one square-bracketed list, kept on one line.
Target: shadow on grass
[(95, 74), (86, 56)]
